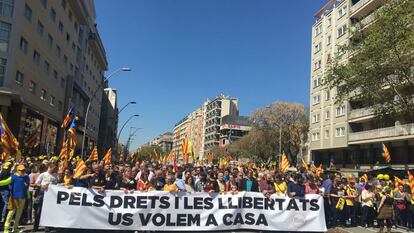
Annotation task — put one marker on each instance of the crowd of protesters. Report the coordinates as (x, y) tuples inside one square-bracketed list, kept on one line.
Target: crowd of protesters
[(348, 201)]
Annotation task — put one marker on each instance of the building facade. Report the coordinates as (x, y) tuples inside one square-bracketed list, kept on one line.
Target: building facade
[(348, 133), (49, 63), (108, 126), (233, 128), (180, 132), (215, 110)]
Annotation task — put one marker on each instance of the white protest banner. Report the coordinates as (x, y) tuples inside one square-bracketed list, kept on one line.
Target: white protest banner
[(163, 211)]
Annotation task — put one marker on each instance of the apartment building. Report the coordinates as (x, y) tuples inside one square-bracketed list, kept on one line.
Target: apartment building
[(180, 131), (233, 128), (215, 110), (347, 132), (51, 59)]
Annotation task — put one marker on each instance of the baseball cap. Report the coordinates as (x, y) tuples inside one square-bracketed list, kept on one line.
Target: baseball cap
[(21, 167)]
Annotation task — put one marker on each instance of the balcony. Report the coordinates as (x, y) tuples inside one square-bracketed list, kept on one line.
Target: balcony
[(364, 7), (361, 114), (389, 133)]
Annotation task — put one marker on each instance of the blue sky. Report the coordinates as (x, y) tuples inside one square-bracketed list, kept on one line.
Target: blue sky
[(182, 52)]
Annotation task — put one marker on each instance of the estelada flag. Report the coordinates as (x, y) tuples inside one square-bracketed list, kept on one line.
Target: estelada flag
[(107, 159), (284, 163), (67, 119), (80, 168), (175, 167), (386, 153), (94, 155)]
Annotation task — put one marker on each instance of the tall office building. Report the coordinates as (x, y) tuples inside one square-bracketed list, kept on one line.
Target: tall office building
[(51, 59), (108, 126), (347, 132)]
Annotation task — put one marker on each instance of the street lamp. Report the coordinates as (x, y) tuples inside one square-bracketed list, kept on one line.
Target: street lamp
[(126, 122), (131, 134), (131, 102), (90, 101)]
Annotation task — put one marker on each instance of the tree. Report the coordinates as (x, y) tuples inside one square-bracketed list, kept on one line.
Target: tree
[(291, 119), (376, 66), (147, 152)]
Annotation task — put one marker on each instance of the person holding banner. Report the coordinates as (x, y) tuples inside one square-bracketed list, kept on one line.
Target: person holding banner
[(249, 184), (128, 183), (295, 187), (280, 185), (43, 182)]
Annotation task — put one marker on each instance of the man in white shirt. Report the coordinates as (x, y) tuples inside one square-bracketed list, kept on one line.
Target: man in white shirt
[(43, 181)]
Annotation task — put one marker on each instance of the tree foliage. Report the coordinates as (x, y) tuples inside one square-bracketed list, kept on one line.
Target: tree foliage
[(262, 142), (376, 67)]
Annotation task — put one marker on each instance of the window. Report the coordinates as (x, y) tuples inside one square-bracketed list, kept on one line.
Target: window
[(327, 115), (315, 136), (23, 45), (46, 67), (63, 3), (58, 51), (67, 37), (327, 95), (70, 16), (32, 87), (317, 65), (73, 47), (318, 47), (40, 28), (340, 132), (316, 118), (329, 40), (49, 40), (329, 22), (28, 12), (52, 100), (341, 31), (19, 78), (318, 30), (340, 51), (342, 12), (326, 134), (316, 99), (340, 111), (36, 57), (43, 95), (65, 59), (61, 27), (55, 75), (53, 14), (6, 7), (44, 3), (316, 82), (60, 106), (62, 82), (4, 36)]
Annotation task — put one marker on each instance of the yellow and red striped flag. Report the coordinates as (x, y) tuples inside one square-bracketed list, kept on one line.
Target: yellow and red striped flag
[(64, 151), (107, 159), (80, 168), (63, 164), (67, 120), (94, 155), (9, 143), (397, 183), (72, 142), (365, 177), (184, 149), (319, 171), (304, 164), (284, 163), (386, 153), (170, 157), (411, 181)]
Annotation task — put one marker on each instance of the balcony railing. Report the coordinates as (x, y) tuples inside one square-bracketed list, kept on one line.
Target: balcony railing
[(359, 4), (395, 131), (360, 112)]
